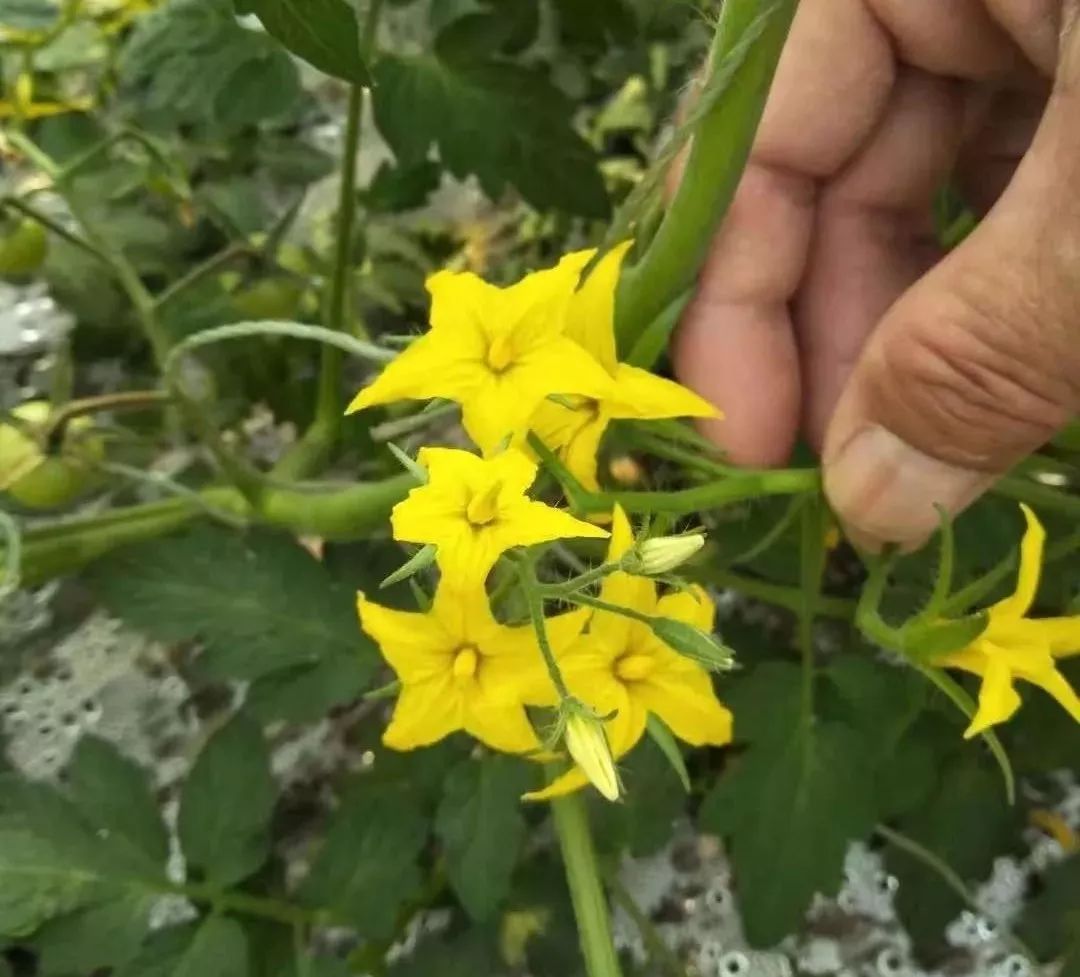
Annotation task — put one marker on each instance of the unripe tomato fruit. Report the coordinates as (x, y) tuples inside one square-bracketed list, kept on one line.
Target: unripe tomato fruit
[(22, 249)]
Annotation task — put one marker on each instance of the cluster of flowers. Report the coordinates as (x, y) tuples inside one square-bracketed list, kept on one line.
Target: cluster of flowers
[(538, 356)]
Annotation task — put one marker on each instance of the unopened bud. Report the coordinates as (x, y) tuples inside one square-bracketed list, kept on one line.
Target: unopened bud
[(693, 643), (588, 745), (663, 554)]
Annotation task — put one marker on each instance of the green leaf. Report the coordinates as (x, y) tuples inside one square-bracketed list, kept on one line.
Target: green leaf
[(498, 121), (366, 868), (29, 15), (789, 808), (190, 61), (322, 32), (106, 935), (395, 188), (1050, 923), (227, 802), (53, 862), (470, 954), (307, 693), (966, 823), (215, 948), (481, 828), (761, 701), (279, 609), (654, 801), (113, 794)]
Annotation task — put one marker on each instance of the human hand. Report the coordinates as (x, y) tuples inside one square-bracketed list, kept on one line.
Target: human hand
[(825, 306)]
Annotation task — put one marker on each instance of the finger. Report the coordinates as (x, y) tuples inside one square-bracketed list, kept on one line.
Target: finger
[(979, 363), (874, 234), (735, 344)]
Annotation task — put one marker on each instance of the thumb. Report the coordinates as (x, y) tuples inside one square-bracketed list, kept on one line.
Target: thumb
[(978, 363)]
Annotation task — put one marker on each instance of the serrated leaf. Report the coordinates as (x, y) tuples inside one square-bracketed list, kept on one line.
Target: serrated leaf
[(788, 808), (53, 862), (481, 828), (967, 824), (501, 122), (322, 32), (182, 60), (114, 795), (366, 869), (226, 804), (280, 608), (106, 935)]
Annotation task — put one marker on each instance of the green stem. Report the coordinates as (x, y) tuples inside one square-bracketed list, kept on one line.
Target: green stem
[(790, 598), (531, 589), (586, 891), (556, 591), (212, 264), (1040, 496), (248, 905), (720, 149), (330, 404), (602, 605), (28, 210)]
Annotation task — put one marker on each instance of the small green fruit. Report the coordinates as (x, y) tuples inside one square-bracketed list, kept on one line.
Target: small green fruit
[(269, 298), (23, 249), (39, 481)]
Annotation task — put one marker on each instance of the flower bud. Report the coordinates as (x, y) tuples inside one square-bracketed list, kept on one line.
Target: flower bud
[(664, 553), (693, 643), (588, 745)]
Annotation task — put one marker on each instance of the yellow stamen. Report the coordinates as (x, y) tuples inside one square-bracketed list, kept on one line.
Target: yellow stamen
[(500, 353), (465, 663), (484, 506), (634, 668)]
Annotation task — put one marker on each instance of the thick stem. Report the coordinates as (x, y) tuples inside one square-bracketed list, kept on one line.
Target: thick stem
[(586, 891), (720, 148)]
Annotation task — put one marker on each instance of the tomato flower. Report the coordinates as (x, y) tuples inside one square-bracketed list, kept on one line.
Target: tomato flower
[(574, 432), (622, 670), (461, 670), (496, 351), (473, 509), (1014, 646)]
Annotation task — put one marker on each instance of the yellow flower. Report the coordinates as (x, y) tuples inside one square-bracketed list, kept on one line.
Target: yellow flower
[(1017, 647), (590, 321), (496, 351), (621, 667), (473, 509), (461, 670)]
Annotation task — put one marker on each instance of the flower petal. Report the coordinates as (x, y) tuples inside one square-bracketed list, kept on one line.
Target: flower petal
[(461, 303), (500, 410), (1062, 634), (570, 781), (590, 317), (1053, 682), (681, 693), (560, 367), (527, 523), (998, 700), (694, 606), (533, 310), (1027, 580), (425, 713), (500, 725), (644, 395), (637, 593), (416, 645), (435, 365)]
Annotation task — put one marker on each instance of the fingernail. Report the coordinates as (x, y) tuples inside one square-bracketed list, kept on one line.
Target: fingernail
[(886, 491)]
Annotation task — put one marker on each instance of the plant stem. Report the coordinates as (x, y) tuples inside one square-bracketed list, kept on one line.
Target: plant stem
[(720, 149), (247, 904), (790, 598), (662, 956), (28, 210), (123, 401), (602, 605), (531, 589), (1033, 493), (555, 591), (586, 892), (329, 408), (945, 872), (212, 264)]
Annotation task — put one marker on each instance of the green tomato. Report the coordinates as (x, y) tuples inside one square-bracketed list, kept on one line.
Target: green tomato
[(39, 481), (269, 298), (23, 249)]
